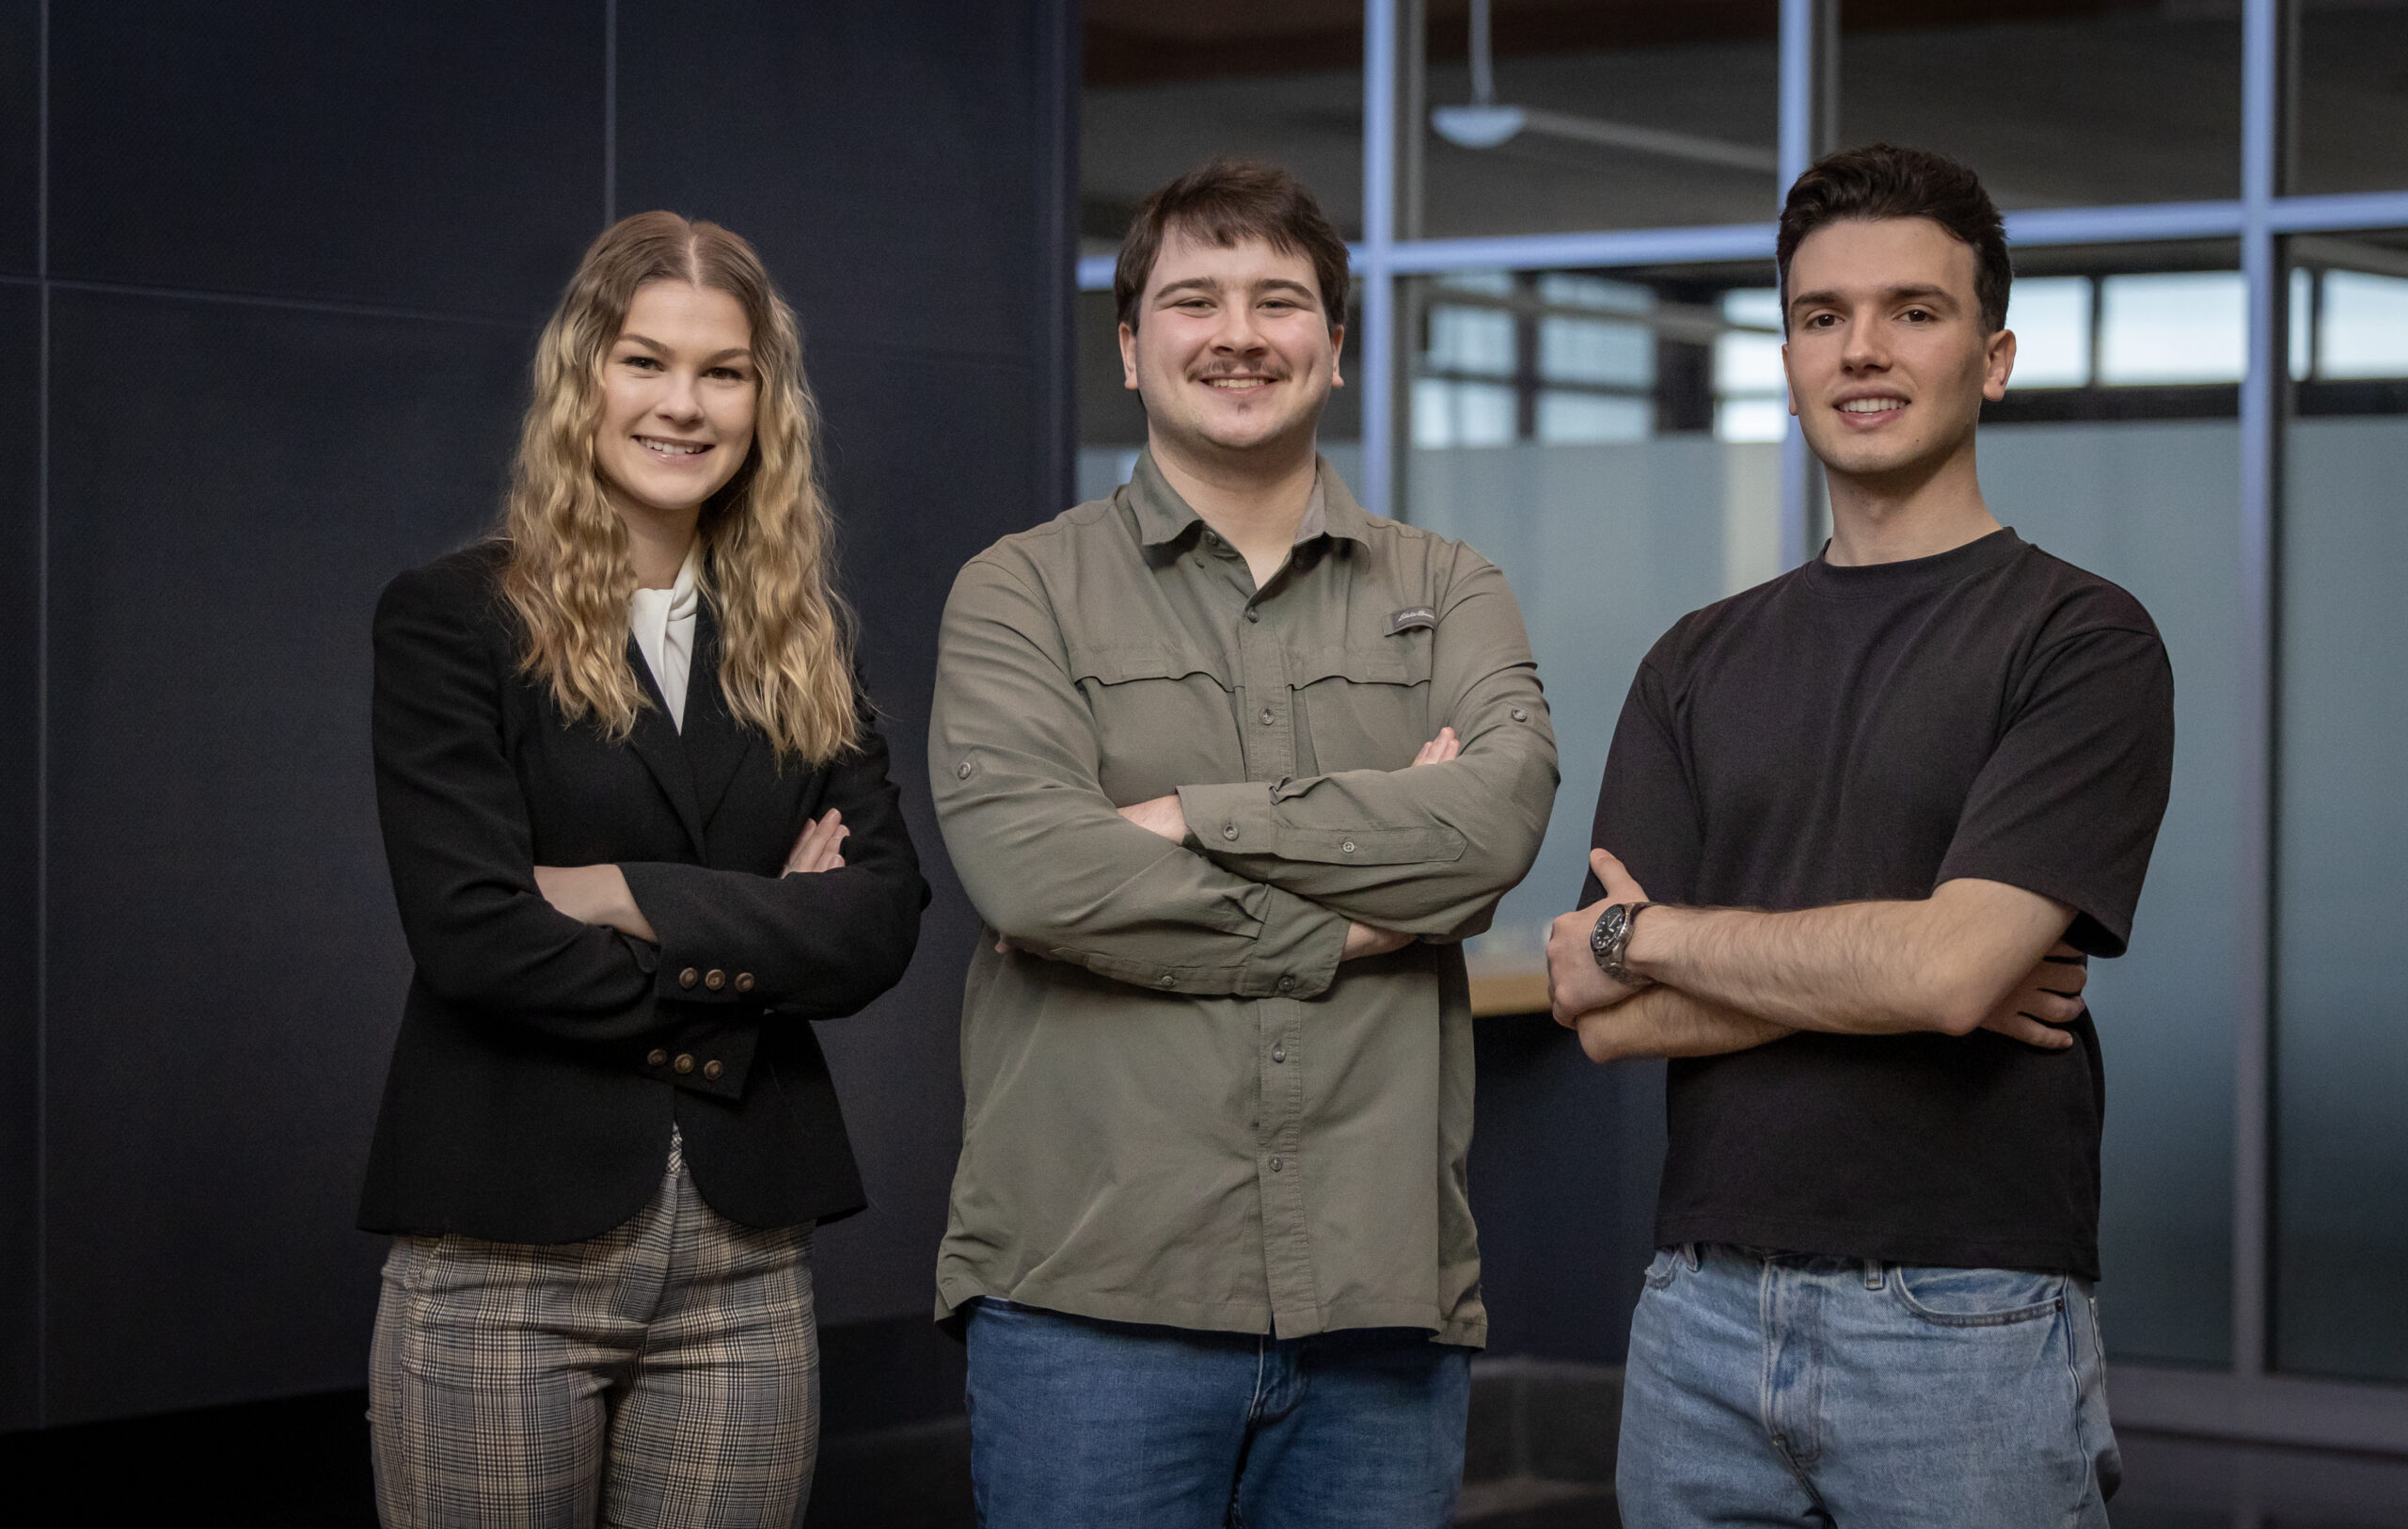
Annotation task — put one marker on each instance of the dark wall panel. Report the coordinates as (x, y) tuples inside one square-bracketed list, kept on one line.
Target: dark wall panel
[(440, 155), (20, 824), (233, 485), (885, 158), (20, 134)]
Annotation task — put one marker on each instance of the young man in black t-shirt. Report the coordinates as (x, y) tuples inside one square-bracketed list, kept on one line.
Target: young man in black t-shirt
[(1887, 804)]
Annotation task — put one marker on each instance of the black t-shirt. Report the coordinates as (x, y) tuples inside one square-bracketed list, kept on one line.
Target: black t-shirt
[(1850, 733)]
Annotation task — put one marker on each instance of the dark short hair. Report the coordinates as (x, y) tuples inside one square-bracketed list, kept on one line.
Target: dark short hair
[(1883, 181), (1223, 203)]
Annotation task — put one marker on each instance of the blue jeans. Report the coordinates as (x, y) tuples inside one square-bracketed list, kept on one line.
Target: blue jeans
[(1770, 1389), (1078, 1423)]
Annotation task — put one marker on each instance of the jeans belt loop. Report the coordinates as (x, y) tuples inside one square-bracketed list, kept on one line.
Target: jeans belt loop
[(1689, 1256), (1873, 1274)]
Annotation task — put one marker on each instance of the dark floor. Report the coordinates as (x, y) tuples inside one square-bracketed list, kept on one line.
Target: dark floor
[(304, 1462)]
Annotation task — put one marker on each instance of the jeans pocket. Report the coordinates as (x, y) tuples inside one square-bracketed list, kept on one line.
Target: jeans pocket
[(1660, 1270), (1952, 1298)]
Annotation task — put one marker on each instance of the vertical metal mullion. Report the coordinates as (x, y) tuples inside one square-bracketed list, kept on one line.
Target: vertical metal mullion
[(1809, 127), (2261, 425), (1376, 373)]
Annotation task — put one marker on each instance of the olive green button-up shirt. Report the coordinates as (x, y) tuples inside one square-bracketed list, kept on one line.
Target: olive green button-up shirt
[(1180, 1109)]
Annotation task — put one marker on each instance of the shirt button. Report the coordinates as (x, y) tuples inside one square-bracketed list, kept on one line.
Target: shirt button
[(964, 771), (711, 1070), (1252, 614), (1267, 718), (743, 981), (685, 1063), (1285, 983), (1228, 830), (1276, 1165), (1520, 715), (657, 1058), (1164, 980), (689, 978), (1348, 846), (1278, 1053), (715, 980)]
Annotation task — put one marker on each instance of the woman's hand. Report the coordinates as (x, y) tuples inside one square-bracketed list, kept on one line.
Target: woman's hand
[(820, 846), (595, 894)]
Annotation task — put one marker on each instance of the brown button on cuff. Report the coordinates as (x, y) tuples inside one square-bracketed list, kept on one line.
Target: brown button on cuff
[(689, 978), (657, 1058), (743, 981), (711, 1070), (715, 980), (685, 1063)]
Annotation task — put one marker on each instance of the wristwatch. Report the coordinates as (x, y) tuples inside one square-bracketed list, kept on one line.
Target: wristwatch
[(1611, 940)]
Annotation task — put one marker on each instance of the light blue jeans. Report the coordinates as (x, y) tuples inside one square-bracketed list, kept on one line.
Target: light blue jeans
[(1772, 1389), (1078, 1423)]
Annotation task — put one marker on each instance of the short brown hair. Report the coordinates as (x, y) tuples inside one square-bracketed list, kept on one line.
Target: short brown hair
[(1223, 203), (1883, 181)]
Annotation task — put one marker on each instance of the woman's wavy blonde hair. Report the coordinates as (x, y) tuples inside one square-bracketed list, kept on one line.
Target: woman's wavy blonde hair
[(785, 635)]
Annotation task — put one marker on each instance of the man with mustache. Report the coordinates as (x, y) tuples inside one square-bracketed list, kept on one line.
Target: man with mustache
[(1889, 802), (1229, 766)]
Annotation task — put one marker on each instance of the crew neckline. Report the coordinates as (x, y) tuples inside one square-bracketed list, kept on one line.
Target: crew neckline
[(1858, 581)]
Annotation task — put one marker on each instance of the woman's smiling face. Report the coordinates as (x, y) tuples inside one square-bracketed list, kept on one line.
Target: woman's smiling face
[(679, 394)]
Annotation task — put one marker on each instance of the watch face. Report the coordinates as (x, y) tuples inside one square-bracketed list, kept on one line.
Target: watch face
[(1610, 925)]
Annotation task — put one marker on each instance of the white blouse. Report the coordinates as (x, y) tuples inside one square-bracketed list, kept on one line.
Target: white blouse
[(663, 622)]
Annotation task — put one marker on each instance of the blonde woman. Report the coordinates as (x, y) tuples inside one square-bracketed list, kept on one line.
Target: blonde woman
[(642, 835)]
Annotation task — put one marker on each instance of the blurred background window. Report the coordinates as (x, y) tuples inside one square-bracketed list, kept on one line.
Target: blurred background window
[(2058, 102)]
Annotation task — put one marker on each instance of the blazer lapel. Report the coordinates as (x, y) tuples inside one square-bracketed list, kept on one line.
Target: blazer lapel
[(715, 742), (656, 743)]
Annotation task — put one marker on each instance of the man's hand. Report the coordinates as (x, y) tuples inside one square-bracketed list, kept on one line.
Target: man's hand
[(1161, 816), (1370, 940), (595, 894), (2050, 996), (1574, 985), (1439, 749), (818, 846)]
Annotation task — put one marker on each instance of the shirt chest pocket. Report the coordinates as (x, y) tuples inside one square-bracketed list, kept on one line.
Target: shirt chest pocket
[(1164, 717), (1364, 706)]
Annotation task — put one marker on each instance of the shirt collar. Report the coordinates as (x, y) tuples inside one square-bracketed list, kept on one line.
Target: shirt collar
[(1163, 516)]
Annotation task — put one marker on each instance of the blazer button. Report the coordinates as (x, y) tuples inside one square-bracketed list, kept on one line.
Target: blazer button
[(743, 981), (689, 978), (715, 980), (1520, 715), (711, 1070), (1228, 830), (964, 771), (685, 1063), (657, 1058)]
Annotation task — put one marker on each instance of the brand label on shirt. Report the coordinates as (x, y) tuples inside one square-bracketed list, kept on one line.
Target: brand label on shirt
[(1412, 615)]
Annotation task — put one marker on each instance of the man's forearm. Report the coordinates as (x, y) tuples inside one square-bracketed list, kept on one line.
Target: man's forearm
[(1666, 1021), (1941, 963)]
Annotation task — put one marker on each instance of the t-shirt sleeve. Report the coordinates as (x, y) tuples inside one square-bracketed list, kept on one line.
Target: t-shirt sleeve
[(1647, 815), (2069, 801)]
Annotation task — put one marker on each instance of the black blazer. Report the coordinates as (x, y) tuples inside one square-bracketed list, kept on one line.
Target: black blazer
[(541, 1060)]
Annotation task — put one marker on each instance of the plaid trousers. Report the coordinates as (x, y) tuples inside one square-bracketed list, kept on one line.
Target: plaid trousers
[(665, 1373)]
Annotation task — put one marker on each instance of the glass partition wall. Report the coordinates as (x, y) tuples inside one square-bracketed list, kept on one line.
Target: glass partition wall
[(1567, 352)]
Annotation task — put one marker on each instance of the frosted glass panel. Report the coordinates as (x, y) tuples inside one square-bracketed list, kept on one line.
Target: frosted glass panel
[(2155, 506), (2341, 900), (1605, 545)]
